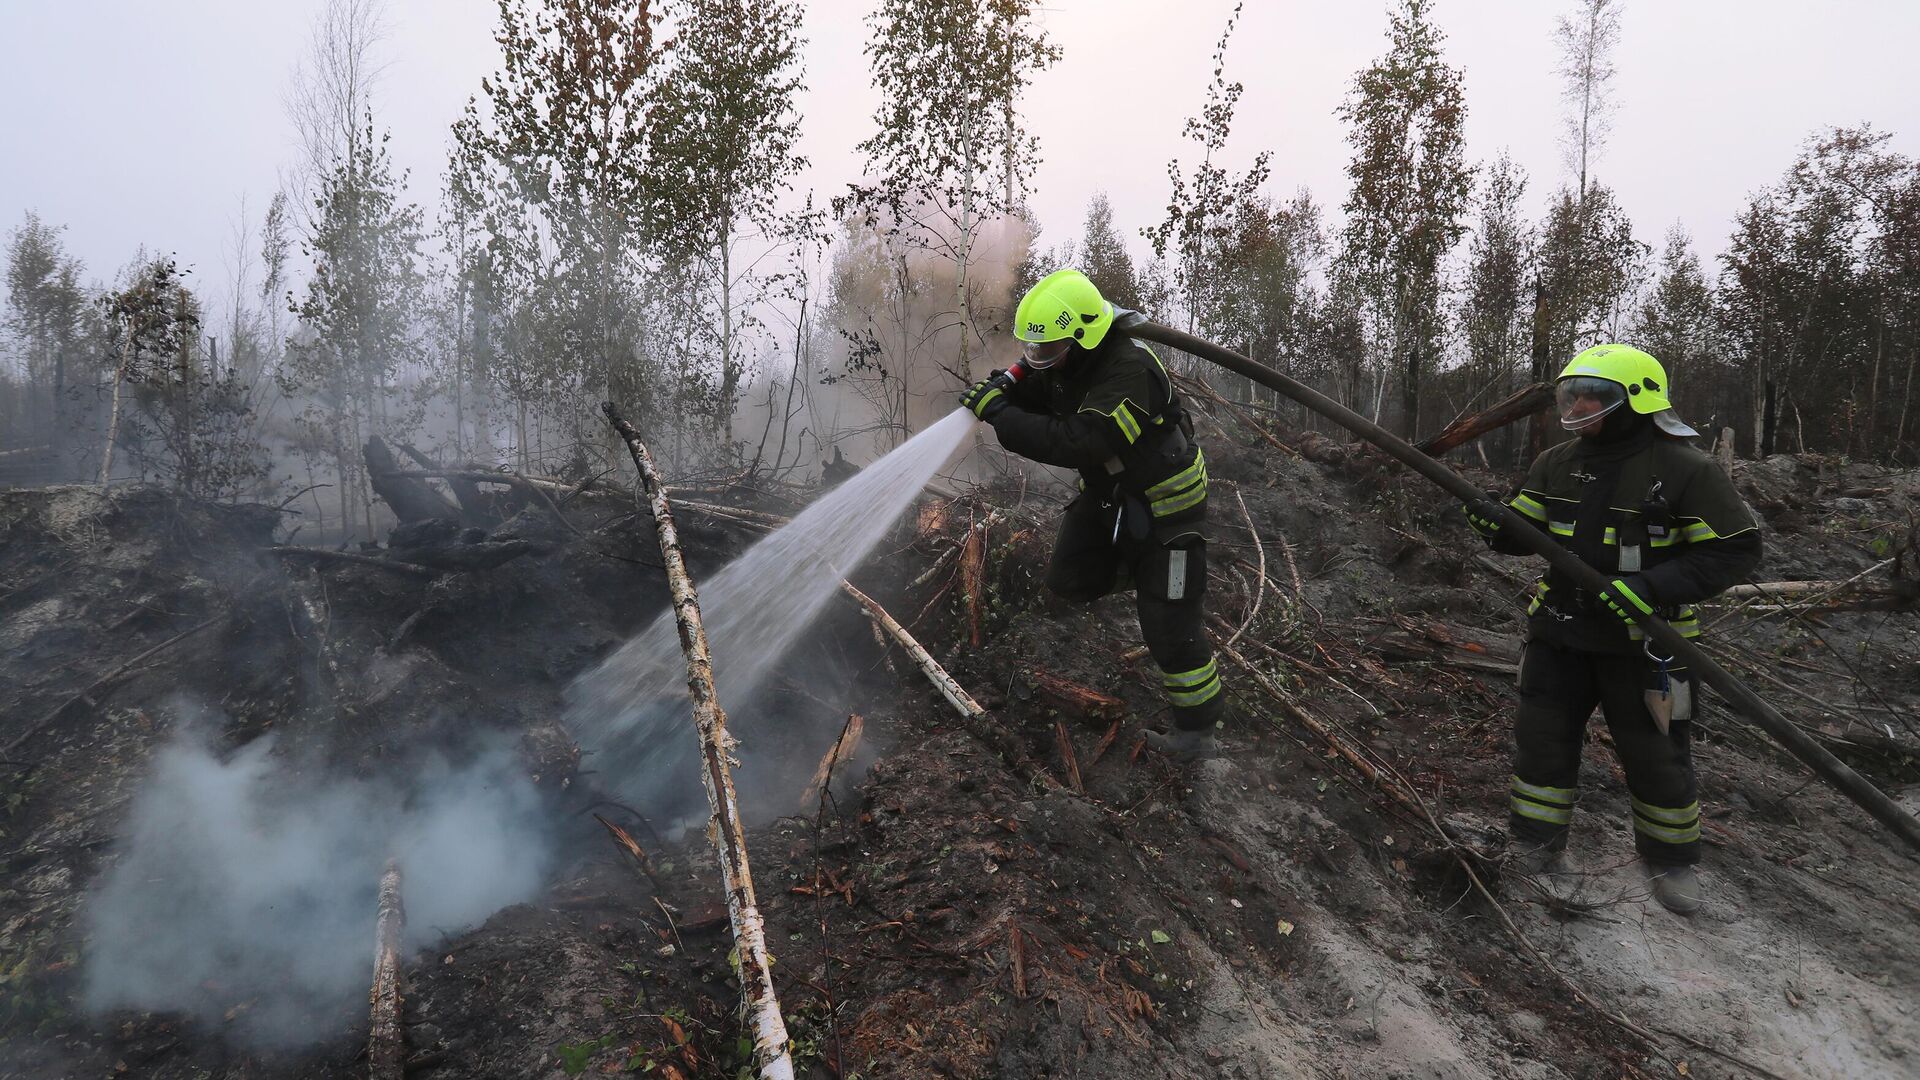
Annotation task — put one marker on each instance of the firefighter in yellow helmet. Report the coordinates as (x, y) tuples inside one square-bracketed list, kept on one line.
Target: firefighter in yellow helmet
[(1085, 398), (1638, 502)]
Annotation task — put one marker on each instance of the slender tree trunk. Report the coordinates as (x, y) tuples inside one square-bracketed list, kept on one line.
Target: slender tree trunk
[(1769, 419), (786, 421), (1906, 400), (729, 370), (113, 411), (185, 477), (964, 253), (481, 371), (56, 438)]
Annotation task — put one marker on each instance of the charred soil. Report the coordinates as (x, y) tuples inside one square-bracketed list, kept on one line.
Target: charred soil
[(1038, 896)]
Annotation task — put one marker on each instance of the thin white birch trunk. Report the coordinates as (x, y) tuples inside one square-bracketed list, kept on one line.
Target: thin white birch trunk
[(772, 1060)]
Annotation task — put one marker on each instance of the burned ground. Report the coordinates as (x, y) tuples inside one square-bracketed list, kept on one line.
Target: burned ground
[(1037, 896)]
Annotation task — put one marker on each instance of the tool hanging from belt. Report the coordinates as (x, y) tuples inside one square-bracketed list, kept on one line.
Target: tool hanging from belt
[(1669, 690)]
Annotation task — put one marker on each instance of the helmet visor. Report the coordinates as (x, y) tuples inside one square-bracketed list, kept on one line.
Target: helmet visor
[(1041, 355), (1584, 399)]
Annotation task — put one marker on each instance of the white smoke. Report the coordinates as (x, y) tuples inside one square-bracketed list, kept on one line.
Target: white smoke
[(245, 892)]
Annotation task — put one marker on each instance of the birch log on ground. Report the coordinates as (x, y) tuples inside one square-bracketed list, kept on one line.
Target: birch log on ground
[(993, 735), (772, 1060), (386, 1039), (955, 694)]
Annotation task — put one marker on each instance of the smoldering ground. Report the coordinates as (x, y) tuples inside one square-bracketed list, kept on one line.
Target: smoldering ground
[(243, 894)]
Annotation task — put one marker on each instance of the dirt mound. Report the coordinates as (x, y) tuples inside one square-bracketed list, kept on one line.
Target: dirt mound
[(1037, 898)]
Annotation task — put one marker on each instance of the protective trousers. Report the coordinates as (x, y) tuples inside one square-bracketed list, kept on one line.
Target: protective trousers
[(1169, 583), (1558, 690)]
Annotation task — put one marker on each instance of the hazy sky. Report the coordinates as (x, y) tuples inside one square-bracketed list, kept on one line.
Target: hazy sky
[(146, 121)]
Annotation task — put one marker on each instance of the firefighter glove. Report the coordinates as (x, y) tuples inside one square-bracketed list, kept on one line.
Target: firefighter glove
[(1627, 597), (986, 397), (1484, 517)]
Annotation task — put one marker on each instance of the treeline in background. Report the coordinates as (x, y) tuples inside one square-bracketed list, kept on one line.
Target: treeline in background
[(617, 219)]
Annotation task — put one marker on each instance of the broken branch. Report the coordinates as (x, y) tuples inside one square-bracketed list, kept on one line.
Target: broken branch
[(1518, 405), (843, 749), (323, 555)]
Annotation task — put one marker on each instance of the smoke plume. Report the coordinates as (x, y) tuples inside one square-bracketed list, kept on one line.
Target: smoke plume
[(245, 892)]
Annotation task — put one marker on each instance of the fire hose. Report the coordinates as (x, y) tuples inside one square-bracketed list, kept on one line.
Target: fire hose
[(1790, 737)]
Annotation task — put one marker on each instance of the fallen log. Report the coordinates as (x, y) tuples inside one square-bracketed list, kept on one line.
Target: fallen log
[(760, 1004), (1852, 586), (323, 555), (1403, 646), (955, 694), (409, 498), (1518, 405), (474, 506), (386, 1038)]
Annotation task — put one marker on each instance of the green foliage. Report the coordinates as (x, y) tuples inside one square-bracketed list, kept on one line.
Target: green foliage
[(1103, 256), (1201, 211), (192, 424), (1499, 258), (1406, 116), (358, 315), (53, 327), (950, 73), (1820, 297), (724, 129), (1589, 263), (574, 1057), (949, 151)]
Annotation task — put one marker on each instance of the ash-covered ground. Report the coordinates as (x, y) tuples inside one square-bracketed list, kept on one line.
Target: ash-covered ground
[(211, 746)]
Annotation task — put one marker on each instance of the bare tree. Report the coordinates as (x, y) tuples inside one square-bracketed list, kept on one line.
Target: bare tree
[(332, 88), (1587, 39)]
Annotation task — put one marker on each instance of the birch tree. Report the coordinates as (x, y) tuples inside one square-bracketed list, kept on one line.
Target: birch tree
[(559, 155), (949, 153), (47, 316), (1103, 255), (1200, 209), (1499, 262), (1586, 40), (1410, 185), (357, 315), (724, 145)]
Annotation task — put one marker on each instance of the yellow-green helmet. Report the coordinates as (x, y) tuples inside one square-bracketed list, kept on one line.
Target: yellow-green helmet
[(1639, 381), (1063, 306)]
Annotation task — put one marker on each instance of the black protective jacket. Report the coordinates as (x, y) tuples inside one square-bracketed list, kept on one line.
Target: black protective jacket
[(1112, 414), (1640, 504)]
